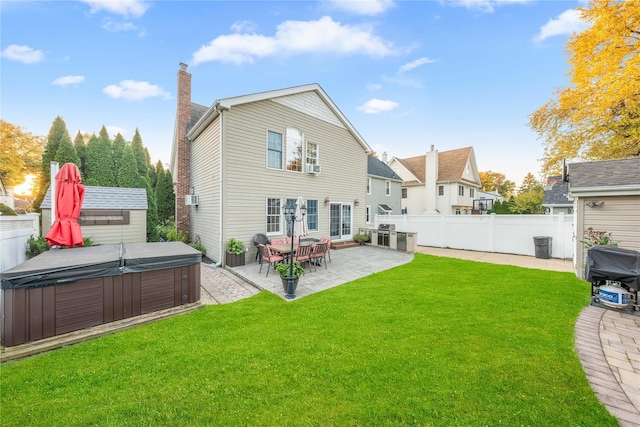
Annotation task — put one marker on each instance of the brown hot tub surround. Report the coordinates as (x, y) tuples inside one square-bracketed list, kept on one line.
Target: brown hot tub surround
[(65, 290)]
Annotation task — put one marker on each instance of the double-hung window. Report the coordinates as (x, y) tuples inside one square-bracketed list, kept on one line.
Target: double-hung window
[(312, 215), (440, 190), (460, 190), (294, 150), (274, 150), (471, 192), (368, 185), (387, 188), (273, 216)]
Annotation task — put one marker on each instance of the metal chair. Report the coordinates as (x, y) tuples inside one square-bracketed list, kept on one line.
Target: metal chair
[(303, 254), (327, 240), (318, 252), (259, 239), (269, 257)]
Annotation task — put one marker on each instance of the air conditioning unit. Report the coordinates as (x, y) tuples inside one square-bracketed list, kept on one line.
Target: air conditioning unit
[(191, 200), (314, 169)]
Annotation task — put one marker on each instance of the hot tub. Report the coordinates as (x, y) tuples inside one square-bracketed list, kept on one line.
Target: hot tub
[(65, 290)]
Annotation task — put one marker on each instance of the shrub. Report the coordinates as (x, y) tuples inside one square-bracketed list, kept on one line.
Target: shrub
[(199, 247), (6, 210), (283, 270), (163, 230), (595, 237), (235, 246), (176, 236), (37, 245)]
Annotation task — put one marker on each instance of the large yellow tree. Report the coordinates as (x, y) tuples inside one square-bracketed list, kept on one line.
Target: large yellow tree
[(598, 116), (21, 154)]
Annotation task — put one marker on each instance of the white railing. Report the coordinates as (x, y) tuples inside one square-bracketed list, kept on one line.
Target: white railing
[(14, 234), (508, 234)]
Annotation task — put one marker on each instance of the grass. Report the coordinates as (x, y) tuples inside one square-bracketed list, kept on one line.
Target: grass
[(436, 342)]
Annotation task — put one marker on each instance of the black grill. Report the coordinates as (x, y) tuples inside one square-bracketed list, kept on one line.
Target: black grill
[(383, 233), (606, 264)]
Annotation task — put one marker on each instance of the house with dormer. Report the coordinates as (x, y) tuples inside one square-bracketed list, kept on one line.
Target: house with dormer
[(384, 189), (438, 182), (239, 161)]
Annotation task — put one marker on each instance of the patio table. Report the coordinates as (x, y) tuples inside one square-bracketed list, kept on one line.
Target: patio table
[(285, 249)]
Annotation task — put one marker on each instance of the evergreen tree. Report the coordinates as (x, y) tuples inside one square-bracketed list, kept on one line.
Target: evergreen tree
[(140, 153), (81, 149), (165, 196), (118, 150), (100, 170), (92, 147), (127, 174), (67, 153), (153, 174), (152, 209), (57, 134)]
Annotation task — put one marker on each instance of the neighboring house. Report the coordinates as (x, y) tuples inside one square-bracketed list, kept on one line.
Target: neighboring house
[(239, 161), (384, 189), (484, 201), (109, 214), (606, 197), (6, 196), (442, 183), (556, 197)]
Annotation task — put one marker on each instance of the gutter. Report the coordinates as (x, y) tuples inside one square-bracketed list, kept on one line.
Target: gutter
[(617, 190)]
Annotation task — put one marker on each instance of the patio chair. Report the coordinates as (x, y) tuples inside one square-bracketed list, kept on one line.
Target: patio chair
[(318, 252), (268, 257), (259, 239), (327, 240), (276, 242), (296, 240), (303, 254)]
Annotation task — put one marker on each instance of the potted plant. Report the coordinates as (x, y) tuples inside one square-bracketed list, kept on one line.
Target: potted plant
[(283, 270), (361, 238), (235, 255)]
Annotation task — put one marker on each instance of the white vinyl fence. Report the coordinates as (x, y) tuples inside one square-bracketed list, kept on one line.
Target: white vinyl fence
[(14, 234), (508, 234)]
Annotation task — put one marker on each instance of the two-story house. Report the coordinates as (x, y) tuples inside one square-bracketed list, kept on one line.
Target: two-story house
[(384, 189), (556, 196), (239, 161), (439, 182)]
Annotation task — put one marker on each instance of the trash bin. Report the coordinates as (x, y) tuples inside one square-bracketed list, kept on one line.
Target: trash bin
[(543, 246)]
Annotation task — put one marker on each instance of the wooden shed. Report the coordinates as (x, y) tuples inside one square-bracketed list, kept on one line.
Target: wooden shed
[(109, 214)]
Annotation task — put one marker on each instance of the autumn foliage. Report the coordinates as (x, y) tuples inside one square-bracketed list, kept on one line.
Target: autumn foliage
[(598, 116)]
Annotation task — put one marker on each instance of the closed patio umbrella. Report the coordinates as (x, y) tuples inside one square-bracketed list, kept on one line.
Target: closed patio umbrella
[(300, 228), (65, 231)]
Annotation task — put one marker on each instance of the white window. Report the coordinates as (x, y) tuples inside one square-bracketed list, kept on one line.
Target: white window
[(471, 192), (274, 150), (460, 190), (312, 215), (387, 188), (312, 153), (294, 150), (368, 185), (273, 216), (440, 190)]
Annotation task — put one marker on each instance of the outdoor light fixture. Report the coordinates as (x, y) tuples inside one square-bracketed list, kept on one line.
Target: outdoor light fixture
[(327, 200), (595, 203), (291, 217), (356, 202)]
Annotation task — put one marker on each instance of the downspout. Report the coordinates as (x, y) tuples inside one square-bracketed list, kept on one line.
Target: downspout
[(221, 242)]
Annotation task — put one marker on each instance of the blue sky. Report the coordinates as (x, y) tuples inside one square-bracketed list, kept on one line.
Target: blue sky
[(407, 74)]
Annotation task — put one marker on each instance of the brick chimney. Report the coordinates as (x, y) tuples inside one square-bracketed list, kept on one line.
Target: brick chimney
[(183, 180)]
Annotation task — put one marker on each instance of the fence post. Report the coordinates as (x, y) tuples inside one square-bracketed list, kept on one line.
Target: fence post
[(492, 232)]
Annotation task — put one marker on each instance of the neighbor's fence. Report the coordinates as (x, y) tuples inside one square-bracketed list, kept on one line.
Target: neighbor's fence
[(14, 234), (508, 234)]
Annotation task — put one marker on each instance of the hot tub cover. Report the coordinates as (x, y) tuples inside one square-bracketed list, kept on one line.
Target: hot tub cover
[(610, 263), (58, 266)]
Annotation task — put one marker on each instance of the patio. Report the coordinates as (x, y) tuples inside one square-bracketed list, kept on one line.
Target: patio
[(345, 265)]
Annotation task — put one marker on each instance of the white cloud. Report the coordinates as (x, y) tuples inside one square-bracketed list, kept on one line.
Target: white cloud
[(373, 86), (135, 91), (116, 27), (68, 80), (414, 64), (375, 106), (23, 54), (243, 26), (295, 37), (487, 6), (126, 8), (114, 130), (567, 22), (363, 7)]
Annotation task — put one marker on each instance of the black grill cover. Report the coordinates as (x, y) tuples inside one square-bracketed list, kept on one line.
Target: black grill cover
[(609, 263)]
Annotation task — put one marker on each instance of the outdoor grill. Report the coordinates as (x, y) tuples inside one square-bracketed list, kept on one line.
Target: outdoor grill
[(383, 233), (614, 274)]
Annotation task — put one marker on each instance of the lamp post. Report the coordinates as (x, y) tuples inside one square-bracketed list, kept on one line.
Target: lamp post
[(290, 216)]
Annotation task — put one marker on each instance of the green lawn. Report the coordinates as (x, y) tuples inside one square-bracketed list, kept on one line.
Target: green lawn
[(438, 341)]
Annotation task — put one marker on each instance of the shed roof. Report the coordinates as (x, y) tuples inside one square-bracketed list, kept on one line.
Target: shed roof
[(108, 198), (379, 168), (605, 173)]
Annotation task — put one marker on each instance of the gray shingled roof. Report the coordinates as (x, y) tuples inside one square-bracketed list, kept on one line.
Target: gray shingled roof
[(558, 194), (197, 111), (108, 198), (605, 173), (377, 167)]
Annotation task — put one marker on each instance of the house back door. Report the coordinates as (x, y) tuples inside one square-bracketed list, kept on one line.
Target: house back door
[(340, 221)]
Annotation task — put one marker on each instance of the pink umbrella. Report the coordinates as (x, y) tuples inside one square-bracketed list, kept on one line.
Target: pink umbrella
[(65, 231)]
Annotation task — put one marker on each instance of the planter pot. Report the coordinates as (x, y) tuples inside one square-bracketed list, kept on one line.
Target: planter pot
[(234, 260), (289, 293)]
